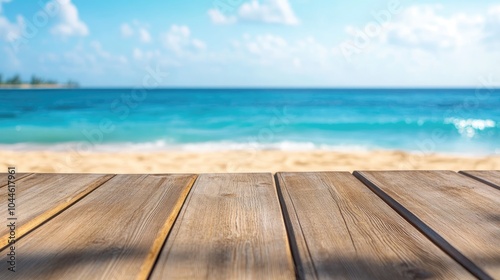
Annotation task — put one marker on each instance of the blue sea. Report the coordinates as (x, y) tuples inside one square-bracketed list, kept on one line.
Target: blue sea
[(454, 121)]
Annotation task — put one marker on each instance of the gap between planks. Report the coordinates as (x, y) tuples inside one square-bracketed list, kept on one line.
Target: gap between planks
[(339, 228), (162, 243), (147, 271), (486, 177), (231, 226), (121, 242), (56, 201), (433, 231), (4, 178)]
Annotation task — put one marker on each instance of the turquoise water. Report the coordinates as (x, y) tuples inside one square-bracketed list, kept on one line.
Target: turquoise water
[(460, 121)]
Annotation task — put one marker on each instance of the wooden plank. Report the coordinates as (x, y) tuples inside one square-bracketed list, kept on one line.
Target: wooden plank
[(4, 178), (491, 178), (41, 196), (116, 232), (341, 230), (231, 227), (457, 213)]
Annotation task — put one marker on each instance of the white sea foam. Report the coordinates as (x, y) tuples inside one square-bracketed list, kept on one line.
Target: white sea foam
[(162, 145), (159, 146), (469, 127)]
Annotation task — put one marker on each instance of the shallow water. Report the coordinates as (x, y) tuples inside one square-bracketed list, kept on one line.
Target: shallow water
[(459, 121)]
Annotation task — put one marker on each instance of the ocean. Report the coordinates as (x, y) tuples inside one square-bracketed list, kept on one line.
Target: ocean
[(453, 121)]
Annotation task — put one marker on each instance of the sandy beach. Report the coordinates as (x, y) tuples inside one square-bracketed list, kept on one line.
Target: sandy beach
[(237, 161)]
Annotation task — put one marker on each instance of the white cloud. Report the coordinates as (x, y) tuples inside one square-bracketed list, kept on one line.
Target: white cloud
[(145, 55), (96, 45), (69, 21), (178, 39), (494, 12), (423, 27), (418, 28), (276, 51), (105, 55), (137, 54), (492, 28), (217, 17), (268, 44), (10, 31), (269, 11), (199, 44), (424, 46), (91, 58), (136, 28), (144, 35), (126, 30)]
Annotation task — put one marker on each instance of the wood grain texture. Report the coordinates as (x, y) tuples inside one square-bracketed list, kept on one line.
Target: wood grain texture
[(491, 178), (341, 230), (42, 196), (231, 227), (459, 214), (4, 178), (116, 232)]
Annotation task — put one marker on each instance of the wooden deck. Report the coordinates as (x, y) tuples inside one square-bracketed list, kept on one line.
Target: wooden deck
[(325, 225)]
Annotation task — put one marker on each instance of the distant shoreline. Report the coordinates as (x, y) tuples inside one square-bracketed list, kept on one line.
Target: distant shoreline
[(41, 86)]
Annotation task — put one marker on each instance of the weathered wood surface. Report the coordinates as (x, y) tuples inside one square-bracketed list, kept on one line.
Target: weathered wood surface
[(313, 225), (4, 178), (231, 227), (40, 197), (115, 232), (491, 178), (460, 214), (342, 230)]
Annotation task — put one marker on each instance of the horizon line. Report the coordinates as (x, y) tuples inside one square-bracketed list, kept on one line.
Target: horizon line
[(254, 88)]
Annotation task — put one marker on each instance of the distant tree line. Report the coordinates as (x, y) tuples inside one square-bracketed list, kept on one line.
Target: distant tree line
[(35, 80)]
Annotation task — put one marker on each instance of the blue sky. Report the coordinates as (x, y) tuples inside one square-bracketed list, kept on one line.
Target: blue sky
[(254, 43)]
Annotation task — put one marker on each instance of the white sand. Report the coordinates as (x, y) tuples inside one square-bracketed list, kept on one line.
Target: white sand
[(236, 161)]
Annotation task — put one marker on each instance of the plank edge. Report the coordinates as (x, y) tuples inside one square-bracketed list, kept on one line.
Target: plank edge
[(24, 176), (433, 236), (34, 223), (291, 235), (479, 179), (149, 264)]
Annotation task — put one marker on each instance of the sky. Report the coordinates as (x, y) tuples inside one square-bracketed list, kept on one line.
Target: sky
[(253, 43)]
